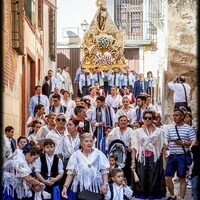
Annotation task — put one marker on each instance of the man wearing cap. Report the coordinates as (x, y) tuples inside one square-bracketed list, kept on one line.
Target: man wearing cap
[(181, 92)]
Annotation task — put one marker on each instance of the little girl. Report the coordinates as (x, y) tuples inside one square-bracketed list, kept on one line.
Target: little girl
[(118, 190), (36, 124)]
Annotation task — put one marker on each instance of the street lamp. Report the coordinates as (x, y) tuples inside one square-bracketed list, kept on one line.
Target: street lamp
[(84, 25)]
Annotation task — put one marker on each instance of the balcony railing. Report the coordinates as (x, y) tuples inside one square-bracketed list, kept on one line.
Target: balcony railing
[(137, 18), (140, 31)]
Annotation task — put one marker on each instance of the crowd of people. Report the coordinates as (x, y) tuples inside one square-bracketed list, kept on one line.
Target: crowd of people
[(109, 142)]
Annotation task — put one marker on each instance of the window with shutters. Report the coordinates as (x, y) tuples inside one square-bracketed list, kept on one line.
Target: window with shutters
[(40, 14), (52, 35), (30, 10), (17, 26)]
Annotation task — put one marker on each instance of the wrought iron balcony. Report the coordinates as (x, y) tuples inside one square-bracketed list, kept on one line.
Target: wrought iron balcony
[(137, 18)]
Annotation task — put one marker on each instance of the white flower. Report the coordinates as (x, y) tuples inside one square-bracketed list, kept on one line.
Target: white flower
[(81, 124)]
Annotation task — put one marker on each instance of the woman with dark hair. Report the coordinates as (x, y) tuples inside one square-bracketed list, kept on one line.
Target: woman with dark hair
[(21, 142), (148, 143), (87, 170), (17, 179), (123, 133), (195, 176), (71, 141), (188, 119), (36, 125)]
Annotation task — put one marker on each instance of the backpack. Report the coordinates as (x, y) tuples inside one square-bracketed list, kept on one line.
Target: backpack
[(118, 148)]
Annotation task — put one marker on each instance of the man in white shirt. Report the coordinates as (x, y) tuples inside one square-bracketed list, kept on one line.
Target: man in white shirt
[(56, 107), (85, 82), (52, 80), (102, 117), (140, 108), (181, 95)]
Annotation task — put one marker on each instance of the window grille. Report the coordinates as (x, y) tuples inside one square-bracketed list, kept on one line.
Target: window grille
[(138, 18)]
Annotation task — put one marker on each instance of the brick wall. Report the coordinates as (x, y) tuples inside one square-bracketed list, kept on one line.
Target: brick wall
[(9, 68)]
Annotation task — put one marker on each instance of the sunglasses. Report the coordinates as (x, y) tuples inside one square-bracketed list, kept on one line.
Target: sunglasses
[(61, 119), (147, 118)]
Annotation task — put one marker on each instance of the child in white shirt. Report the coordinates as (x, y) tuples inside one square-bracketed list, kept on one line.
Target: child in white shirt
[(118, 190), (49, 169)]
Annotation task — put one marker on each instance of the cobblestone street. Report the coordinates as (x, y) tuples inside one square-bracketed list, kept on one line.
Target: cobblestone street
[(188, 195)]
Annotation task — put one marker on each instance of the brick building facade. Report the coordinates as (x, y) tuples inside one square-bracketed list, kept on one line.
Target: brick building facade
[(29, 31)]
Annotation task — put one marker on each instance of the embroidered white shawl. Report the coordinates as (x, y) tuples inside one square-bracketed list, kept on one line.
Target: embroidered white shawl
[(153, 142), (88, 170), (14, 169)]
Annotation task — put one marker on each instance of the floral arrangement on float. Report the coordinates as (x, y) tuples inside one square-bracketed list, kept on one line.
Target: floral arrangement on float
[(103, 41), (105, 59)]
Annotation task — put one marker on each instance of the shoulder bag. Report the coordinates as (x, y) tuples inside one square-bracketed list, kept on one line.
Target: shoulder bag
[(188, 107)]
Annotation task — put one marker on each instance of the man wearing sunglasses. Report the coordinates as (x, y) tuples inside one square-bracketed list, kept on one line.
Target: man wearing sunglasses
[(176, 161), (59, 132)]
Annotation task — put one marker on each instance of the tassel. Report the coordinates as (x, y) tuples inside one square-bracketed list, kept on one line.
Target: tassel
[(135, 176)]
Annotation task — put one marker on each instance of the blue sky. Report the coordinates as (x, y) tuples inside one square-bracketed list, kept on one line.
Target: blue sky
[(71, 13)]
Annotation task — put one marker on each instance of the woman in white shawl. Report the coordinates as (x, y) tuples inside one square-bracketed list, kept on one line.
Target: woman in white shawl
[(147, 160), (87, 171), (71, 141), (17, 181)]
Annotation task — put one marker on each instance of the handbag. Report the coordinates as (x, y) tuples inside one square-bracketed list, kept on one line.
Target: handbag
[(88, 195), (188, 156), (188, 107)]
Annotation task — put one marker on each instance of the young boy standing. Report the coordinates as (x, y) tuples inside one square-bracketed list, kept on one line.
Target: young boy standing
[(118, 190), (49, 169)]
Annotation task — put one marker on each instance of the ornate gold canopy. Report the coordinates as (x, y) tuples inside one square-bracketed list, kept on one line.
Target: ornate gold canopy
[(103, 43)]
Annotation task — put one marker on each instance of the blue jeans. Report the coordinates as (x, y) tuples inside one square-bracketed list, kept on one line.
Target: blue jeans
[(196, 187), (178, 105)]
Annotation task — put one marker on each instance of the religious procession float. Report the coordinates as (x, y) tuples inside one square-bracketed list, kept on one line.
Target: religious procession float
[(103, 42)]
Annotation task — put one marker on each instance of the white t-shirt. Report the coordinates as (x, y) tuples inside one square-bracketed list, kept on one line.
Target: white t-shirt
[(179, 94)]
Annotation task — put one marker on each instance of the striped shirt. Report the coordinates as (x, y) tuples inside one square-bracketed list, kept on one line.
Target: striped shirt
[(186, 133)]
